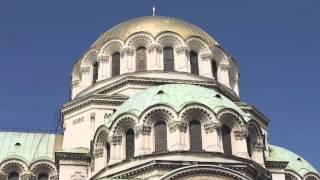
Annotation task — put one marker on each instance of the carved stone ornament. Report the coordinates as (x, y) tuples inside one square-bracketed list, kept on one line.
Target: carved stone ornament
[(28, 176), (103, 59), (115, 140), (75, 83), (54, 177), (127, 50), (178, 125), (206, 56), (182, 49), (240, 135), (85, 70), (143, 130), (155, 47), (211, 127), (259, 146), (2, 176), (78, 176)]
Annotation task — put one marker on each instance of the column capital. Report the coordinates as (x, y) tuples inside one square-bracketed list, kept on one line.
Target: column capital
[(182, 49), (211, 127), (177, 125), (103, 59), (127, 50), (206, 56), (85, 70), (28, 176), (224, 64), (155, 47), (143, 130), (54, 177), (115, 140), (240, 135)]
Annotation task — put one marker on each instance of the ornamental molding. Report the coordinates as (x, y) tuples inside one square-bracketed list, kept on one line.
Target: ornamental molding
[(148, 120), (276, 164), (98, 153), (211, 127), (15, 164), (28, 176), (136, 40), (178, 125), (115, 140), (78, 121), (203, 114), (143, 130), (75, 83), (240, 135), (182, 50), (55, 177), (103, 59), (44, 165), (224, 64), (206, 56)]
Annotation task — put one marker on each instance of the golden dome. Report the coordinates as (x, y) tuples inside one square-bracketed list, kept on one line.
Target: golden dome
[(153, 25)]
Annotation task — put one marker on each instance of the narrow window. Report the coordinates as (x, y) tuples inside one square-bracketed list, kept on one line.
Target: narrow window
[(194, 62), (214, 69), (168, 59), (43, 176), (108, 152), (115, 64), (160, 134), (129, 144), (249, 145), (226, 139), (195, 136), (13, 176), (95, 72), (141, 59)]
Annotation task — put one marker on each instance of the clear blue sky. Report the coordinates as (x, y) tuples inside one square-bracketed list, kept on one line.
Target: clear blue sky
[(276, 43)]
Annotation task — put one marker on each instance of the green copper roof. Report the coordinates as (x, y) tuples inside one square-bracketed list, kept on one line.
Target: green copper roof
[(175, 96), (27, 147), (296, 163)]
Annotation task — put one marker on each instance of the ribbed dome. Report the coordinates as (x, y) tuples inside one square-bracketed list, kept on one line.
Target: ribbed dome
[(154, 25)]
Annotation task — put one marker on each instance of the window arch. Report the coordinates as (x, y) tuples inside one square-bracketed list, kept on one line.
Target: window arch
[(13, 176), (195, 135), (141, 59), (168, 59), (226, 139), (43, 176), (214, 69), (194, 62), (95, 72), (249, 145), (115, 64), (129, 144), (160, 135)]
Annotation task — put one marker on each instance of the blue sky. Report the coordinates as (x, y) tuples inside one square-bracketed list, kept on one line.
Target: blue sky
[(276, 44)]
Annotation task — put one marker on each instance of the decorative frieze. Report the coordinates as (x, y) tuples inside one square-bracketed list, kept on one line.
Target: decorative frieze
[(240, 135), (177, 125), (211, 127), (182, 49), (143, 130), (115, 140), (78, 120)]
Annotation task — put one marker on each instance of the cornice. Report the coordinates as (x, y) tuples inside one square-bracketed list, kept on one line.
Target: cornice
[(276, 164)]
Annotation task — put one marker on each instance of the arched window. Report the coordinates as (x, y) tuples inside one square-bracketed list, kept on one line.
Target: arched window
[(160, 134), (95, 72), (214, 69), (195, 136), (108, 152), (141, 59), (168, 59), (226, 139), (115, 64), (43, 176), (129, 144), (13, 176), (194, 62)]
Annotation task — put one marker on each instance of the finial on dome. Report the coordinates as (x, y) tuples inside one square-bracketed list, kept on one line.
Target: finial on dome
[(154, 8)]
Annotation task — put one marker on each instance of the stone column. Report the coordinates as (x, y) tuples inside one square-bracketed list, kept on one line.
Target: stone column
[(223, 73), (240, 144), (257, 154), (154, 61), (205, 68), (177, 136), (103, 69), (212, 139), (115, 149), (182, 60), (142, 145), (127, 61)]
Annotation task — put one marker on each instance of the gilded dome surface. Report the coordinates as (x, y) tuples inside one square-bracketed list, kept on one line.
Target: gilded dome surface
[(154, 25)]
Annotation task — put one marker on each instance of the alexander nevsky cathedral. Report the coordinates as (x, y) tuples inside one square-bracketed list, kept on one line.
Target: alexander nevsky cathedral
[(153, 98)]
